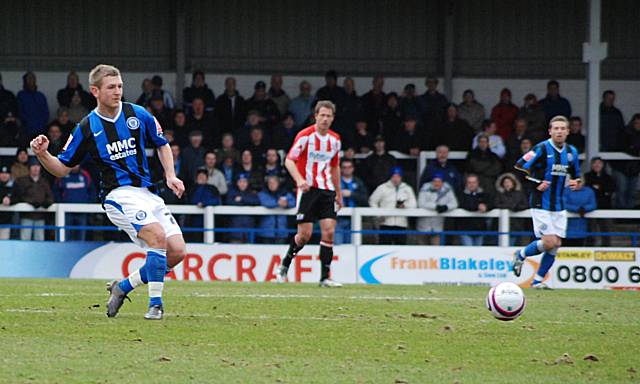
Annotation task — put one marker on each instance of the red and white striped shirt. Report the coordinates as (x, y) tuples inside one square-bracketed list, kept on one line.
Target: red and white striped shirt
[(315, 155)]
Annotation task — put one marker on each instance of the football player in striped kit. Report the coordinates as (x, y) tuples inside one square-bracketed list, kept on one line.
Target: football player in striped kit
[(314, 163)]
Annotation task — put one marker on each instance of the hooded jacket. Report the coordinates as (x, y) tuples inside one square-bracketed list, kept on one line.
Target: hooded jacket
[(513, 200)]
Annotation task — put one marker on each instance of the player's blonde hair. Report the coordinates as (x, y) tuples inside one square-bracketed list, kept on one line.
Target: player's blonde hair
[(561, 119), (100, 71), (325, 104)]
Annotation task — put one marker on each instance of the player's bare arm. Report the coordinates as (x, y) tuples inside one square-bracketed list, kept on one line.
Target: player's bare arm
[(52, 164), (335, 178), (301, 183), (166, 159)]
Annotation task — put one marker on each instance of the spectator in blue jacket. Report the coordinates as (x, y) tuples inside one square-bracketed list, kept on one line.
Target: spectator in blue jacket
[(241, 195), (354, 194), (274, 228), (203, 194), (579, 201), (34, 110), (442, 165), (554, 104), (76, 187)]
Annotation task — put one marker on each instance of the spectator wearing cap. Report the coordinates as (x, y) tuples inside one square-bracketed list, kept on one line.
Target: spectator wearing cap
[(393, 194), (379, 164), (242, 195), (362, 139), (193, 156), (496, 144), (409, 102), (145, 96), (354, 194), (284, 133), (334, 93), (73, 86), (9, 117), (504, 114), (432, 105), (482, 162), (266, 107), (474, 199), (76, 187), (509, 196), (471, 111), (409, 139), (391, 119), (554, 104), (34, 110), (442, 165), (437, 196), (20, 166), (6, 190), (274, 227), (202, 120), (454, 132), (604, 187), (32, 189), (214, 175), (536, 119), (278, 95), (198, 89), (167, 97), (230, 169), (230, 109), (373, 104), (253, 171), (575, 137), (301, 107)]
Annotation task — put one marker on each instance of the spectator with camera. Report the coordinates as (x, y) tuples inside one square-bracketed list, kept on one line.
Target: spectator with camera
[(437, 196), (394, 193)]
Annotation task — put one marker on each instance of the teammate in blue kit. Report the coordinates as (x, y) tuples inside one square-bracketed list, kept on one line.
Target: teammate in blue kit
[(114, 135), (552, 164)]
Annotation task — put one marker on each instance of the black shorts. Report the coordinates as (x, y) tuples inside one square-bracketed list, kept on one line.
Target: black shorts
[(316, 204)]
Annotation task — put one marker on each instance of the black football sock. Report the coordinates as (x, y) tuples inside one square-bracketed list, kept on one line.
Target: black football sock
[(326, 256), (293, 250)]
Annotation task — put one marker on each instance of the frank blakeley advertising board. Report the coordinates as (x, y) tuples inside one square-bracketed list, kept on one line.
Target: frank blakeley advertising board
[(574, 268)]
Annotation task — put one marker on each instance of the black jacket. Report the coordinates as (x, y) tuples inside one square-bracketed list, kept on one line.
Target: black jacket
[(603, 185), (470, 201), (5, 191), (226, 119)]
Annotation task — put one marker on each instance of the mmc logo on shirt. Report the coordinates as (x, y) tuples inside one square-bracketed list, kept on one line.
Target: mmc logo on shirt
[(122, 148)]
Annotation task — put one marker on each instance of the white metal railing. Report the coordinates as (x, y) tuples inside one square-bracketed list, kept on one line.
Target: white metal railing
[(504, 216)]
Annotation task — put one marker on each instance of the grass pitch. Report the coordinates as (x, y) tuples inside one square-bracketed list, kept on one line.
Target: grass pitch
[(55, 331)]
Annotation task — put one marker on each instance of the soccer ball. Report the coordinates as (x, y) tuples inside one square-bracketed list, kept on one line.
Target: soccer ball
[(506, 301)]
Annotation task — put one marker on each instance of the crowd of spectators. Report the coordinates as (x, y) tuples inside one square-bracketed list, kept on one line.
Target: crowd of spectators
[(228, 150)]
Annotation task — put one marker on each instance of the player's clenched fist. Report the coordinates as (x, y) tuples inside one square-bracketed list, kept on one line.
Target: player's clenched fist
[(40, 144)]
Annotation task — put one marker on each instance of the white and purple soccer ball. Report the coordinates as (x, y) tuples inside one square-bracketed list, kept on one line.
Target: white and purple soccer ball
[(506, 301)]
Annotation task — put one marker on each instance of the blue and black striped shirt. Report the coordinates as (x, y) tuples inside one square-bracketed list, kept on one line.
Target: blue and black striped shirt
[(116, 145), (548, 162)]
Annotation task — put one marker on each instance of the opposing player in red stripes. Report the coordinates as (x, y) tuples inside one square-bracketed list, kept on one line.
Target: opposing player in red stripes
[(313, 162)]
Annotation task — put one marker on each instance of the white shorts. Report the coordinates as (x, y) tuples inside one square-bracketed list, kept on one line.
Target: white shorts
[(130, 208), (549, 222)]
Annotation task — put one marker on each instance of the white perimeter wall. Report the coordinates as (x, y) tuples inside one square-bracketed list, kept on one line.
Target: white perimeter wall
[(486, 90)]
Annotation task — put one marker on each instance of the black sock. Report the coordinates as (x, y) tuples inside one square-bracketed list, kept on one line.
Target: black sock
[(293, 250), (326, 256)]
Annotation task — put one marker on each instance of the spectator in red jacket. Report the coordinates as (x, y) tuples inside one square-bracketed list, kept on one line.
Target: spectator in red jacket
[(504, 114)]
